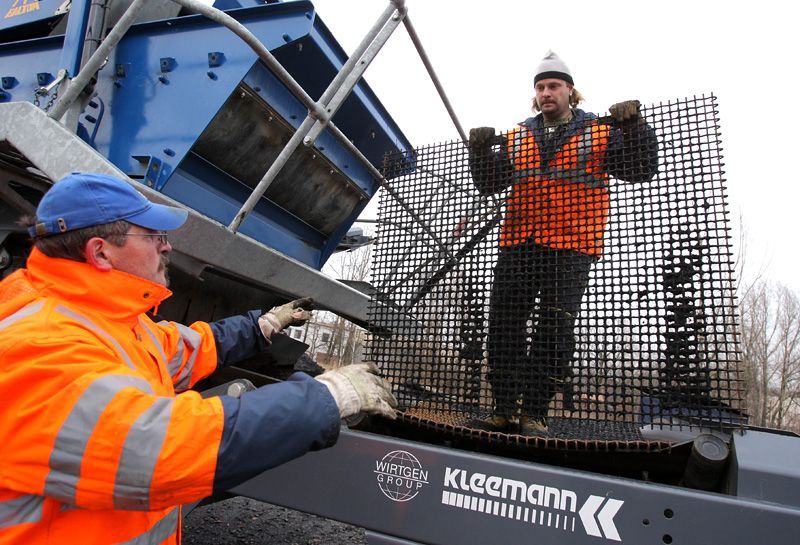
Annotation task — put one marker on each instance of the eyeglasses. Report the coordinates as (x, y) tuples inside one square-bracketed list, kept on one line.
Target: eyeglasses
[(160, 237)]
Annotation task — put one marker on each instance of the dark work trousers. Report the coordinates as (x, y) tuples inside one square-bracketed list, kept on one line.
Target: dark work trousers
[(536, 294)]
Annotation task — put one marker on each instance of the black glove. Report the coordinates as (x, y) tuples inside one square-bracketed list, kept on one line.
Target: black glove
[(626, 112), (481, 138)]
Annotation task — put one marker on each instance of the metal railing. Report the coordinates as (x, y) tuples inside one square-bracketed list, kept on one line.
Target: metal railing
[(320, 112)]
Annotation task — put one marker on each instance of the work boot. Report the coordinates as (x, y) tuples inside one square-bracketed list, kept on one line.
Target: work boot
[(529, 425)]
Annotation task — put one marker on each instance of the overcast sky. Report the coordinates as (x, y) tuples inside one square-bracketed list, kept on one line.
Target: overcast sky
[(485, 54)]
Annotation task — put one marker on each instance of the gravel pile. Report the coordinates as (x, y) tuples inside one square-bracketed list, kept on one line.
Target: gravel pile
[(242, 521)]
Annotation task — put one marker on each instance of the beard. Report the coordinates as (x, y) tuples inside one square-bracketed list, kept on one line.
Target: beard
[(163, 266)]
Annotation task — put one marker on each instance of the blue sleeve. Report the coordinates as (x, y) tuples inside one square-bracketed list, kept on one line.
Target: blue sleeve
[(238, 338), (272, 425)]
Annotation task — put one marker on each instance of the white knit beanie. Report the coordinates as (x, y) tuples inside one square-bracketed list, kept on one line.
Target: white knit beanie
[(552, 67)]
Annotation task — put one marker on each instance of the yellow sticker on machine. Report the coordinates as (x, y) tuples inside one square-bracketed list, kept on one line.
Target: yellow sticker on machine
[(20, 7)]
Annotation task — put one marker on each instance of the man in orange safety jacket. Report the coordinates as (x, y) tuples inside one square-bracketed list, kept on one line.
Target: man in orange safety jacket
[(101, 438), (557, 165)]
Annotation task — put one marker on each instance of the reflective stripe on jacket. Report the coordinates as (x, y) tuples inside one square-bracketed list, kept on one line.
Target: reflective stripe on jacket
[(96, 446), (564, 203)]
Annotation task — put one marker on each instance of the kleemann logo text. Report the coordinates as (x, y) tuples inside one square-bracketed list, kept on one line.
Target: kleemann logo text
[(531, 503)]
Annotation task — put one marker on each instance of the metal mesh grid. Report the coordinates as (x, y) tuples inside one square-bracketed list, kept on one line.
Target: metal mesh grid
[(565, 275)]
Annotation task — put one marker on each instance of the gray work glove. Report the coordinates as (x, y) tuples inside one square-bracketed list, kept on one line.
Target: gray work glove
[(626, 112), (481, 138), (293, 313), (358, 388)]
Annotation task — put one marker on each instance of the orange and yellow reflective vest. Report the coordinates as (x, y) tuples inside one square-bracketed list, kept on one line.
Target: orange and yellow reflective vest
[(563, 204), (96, 446)]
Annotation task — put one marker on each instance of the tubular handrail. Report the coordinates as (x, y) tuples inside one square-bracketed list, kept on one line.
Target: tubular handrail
[(75, 86), (335, 89), (319, 112), (412, 33)]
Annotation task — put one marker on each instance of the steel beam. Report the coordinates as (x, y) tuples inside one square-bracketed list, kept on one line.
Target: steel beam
[(403, 490), (55, 151)]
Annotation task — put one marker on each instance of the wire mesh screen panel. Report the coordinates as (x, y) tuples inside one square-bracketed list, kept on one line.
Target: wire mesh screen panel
[(572, 279)]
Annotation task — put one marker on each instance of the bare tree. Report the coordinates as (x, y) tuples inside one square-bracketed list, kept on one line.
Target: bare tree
[(770, 319), (346, 339)]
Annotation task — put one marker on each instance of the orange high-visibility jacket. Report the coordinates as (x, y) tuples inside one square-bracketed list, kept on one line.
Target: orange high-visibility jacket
[(563, 204), (95, 445)]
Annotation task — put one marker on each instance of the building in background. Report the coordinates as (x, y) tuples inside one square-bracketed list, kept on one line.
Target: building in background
[(332, 341)]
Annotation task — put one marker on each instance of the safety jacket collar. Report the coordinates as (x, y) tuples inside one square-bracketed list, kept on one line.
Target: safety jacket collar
[(549, 145), (579, 118), (115, 294)]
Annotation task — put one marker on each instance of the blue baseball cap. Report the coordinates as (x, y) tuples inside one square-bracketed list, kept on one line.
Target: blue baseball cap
[(85, 199)]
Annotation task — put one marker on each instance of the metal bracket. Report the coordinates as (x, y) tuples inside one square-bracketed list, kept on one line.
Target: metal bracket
[(44, 90), (152, 170)]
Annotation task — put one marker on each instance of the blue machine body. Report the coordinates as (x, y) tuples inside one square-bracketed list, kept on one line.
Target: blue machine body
[(22, 15), (186, 107)]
